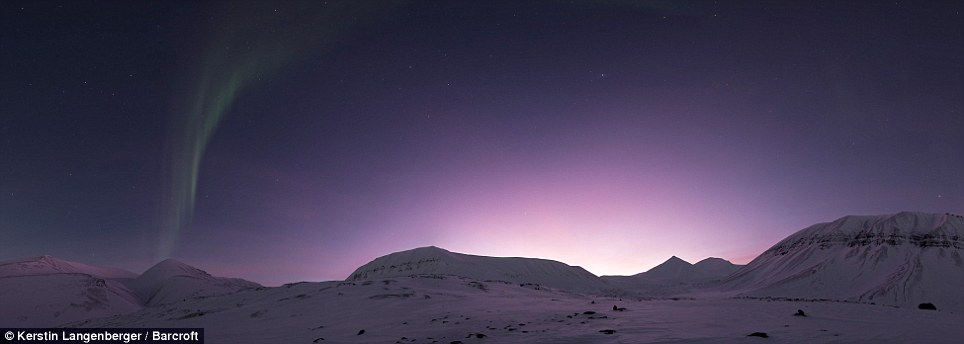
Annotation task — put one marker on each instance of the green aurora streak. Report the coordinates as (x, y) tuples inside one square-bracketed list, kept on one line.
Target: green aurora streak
[(247, 45), (252, 41)]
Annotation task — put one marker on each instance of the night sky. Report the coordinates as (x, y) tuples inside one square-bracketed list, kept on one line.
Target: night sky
[(288, 141)]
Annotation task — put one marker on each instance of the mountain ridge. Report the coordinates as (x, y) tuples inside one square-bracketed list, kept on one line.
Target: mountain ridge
[(433, 260), (48, 291), (897, 259), (171, 280), (46, 264), (677, 270)]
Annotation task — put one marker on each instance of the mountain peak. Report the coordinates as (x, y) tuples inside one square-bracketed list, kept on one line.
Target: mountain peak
[(433, 260), (429, 249), (171, 280), (676, 269), (672, 269), (47, 264), (170, 268), (842, 260), (45, 259), (891, 229), (715, 267), (713, 260)]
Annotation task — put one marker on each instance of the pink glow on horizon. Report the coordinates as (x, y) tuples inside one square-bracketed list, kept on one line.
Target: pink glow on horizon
[(610, 218), (612, 197)]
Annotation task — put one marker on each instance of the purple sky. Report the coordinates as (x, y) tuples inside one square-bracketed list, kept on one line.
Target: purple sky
[(599, 134)]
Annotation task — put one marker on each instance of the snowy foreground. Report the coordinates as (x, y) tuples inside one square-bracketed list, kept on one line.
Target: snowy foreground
[(859, 279), (437, 309)]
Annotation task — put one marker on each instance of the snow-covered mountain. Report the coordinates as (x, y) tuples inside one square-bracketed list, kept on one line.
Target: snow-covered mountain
[(436, 261), (714, 268), (172, 281), (673, 268), (675, 276), (430, 294), (46, 265), (45, 291), (680, 271), (447, 309), (902, 259)]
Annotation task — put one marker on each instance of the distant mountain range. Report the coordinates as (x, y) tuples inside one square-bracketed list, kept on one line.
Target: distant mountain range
[(539, 272), (674, 276), (902, 259), (678, 270)]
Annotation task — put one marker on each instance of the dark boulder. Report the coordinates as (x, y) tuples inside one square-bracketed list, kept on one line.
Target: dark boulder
[(758, 334), (800, 313), (927, 305)]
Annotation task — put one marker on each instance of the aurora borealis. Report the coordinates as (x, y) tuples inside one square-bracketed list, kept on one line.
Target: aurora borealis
[(285, 141), (245, 46)]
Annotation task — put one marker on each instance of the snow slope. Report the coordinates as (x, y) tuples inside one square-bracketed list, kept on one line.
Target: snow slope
[(171, 281), (448, 309), (45, 291), (902, 259), (45, 265), (436, 261), (430, 295)]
